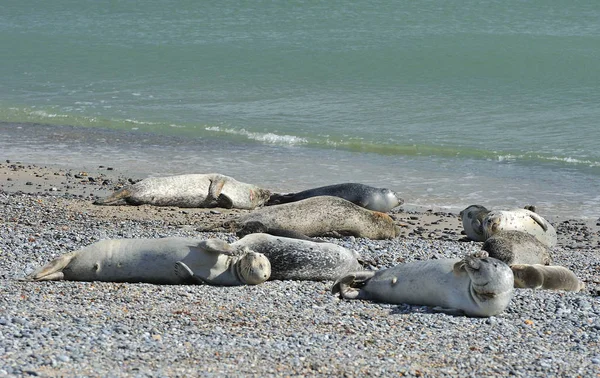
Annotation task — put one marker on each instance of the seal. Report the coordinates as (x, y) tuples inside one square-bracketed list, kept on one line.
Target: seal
[(319, 216), (376, 199), (517, 247), (293, 259), (474, 286), (520, 220), (172, 260), (552, 277), (193, 190), (472, 219)]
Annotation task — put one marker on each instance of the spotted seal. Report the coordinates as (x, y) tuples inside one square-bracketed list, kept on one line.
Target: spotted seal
[(517, 247), (319, 216), (472, 219), (477, 285), (520, 220), (293, 259), (376, 199), (551, 277), (192, 190), (172, 260)]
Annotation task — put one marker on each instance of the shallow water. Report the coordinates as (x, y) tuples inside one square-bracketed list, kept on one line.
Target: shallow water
[(451, 103)]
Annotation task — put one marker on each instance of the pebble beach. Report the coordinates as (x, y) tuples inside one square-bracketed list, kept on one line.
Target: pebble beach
[(279, 328)]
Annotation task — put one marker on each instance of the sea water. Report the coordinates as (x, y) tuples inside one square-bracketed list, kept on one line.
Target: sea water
[(451, 103)]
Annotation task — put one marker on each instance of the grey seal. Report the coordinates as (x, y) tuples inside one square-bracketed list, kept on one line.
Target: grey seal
[(171, 260), (319, 216), (551, 277), (293, 259), (193, 190), (517, 247), (520, 220), (472, 220), (476, 285), (376, 199)]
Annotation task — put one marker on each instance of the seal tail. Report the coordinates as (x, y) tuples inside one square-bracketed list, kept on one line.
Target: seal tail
[(51, 271), (348, 286), (117, 198)]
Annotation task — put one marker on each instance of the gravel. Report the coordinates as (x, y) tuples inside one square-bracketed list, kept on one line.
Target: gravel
[(278, 328)]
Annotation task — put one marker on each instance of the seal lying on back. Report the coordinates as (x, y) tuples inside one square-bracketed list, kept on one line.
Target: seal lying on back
[(376, 199), (194, 190), (159, 261), (520, 220), (472, 220), (293, 259), (553, 277), (476, 285), (319, 216), (517, 247)]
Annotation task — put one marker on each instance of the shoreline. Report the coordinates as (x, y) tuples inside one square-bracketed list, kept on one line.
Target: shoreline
[(279, 328)]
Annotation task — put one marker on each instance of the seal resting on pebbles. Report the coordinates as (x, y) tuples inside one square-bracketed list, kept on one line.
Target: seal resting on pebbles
[(517, 247), (319, 216), (293, 259), (172, 260), (520, 220), (376, 199), (475, 286), (472, 220), (193, 190), (553, 277)]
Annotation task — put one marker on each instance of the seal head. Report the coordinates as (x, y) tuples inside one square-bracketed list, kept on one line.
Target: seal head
[(472, 221), (253, 268)]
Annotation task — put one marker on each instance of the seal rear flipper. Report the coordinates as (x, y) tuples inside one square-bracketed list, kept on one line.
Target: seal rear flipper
[(51, 271), (348, 285), (117, 198), (187, 276)]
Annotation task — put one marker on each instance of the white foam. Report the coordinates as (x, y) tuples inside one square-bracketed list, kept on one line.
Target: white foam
[(261, 137)]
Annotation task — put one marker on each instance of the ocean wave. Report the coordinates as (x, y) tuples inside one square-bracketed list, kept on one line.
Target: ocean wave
[(261, 137)]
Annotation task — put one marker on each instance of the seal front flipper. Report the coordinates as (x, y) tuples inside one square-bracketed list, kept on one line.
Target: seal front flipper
[(217, 246), (539, 220), (187, 276), (349, 285), (53, 270)]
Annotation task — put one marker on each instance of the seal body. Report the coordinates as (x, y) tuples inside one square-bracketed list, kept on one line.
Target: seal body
[(318, 216), (472, 221), (159, 261), (376, 199), (520, 220), (517, 247), (552, 277), (476, 285), (193, 190), (293, 259)]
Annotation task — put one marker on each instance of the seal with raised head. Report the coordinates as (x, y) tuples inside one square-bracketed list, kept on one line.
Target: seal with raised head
[(172, 260), (517, 247), (319, 216), (520, 220), (472, 220), (475, 286), (293, 259), (551, 277), (193, 190), (376, 199)]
